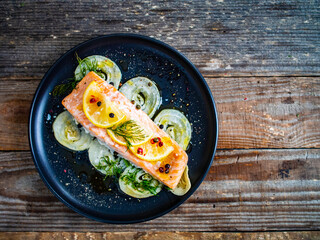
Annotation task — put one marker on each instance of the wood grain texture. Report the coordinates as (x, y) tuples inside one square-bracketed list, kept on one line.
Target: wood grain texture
[(245, 190), (159, 236), (267, 112), (238, 38), (261, 61), (15, 102), (273, 112)]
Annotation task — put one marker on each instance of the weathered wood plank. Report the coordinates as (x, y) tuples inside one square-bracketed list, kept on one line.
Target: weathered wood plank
[(160, 235), (267, 112), (15, 103), (275, 112), (238, 38), (245, 190)]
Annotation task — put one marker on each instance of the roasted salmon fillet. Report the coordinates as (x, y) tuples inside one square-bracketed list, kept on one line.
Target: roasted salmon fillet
[(177, 158)]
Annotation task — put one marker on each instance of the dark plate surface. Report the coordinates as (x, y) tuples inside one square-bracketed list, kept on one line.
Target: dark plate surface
[(70, 176)]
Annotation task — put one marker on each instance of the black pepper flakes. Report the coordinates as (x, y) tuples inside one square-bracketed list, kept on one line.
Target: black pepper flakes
[(167, 170), (99, 103), (111, 115), (161, 169), (167, 166), (138, 106), (111, 83), (161, 126)]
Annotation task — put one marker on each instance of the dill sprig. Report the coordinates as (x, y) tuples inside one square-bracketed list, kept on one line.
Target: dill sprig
[(112, 168), (146, 185), (65, 87), (85, 66), (130, 131), (141, 186), (88, 65)]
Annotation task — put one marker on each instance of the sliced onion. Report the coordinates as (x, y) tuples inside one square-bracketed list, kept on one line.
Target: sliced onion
[(144, 93), (127, 185), (184, 184), (68, 134), (104, 67), (176, 125)]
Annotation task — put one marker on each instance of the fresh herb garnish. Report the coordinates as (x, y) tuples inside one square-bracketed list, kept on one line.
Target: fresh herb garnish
[(143, 185), (89, 65), (65, 87), (146, 185), (110, 167), (86, 65), (130, 131)]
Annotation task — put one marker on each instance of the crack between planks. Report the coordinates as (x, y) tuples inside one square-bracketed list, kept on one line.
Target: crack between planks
[(245, 149), (260, 76), (33, 78), (218, 149)]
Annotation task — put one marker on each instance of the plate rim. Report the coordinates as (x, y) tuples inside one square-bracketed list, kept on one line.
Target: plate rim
[(33, 107)]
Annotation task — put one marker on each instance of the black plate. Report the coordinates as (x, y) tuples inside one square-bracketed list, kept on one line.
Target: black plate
[(70, 176)]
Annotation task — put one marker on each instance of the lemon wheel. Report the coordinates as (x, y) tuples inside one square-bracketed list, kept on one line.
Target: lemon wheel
[(101, 112), (153, 150)]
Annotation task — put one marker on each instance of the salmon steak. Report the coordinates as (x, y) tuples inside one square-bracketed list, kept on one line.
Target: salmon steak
[(177, 159)]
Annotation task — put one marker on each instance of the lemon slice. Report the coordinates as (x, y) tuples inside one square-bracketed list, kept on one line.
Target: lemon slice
[(153, 151), (101, 112)]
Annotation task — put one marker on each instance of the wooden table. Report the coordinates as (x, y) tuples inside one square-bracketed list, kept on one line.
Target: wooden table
[(261, 60)]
